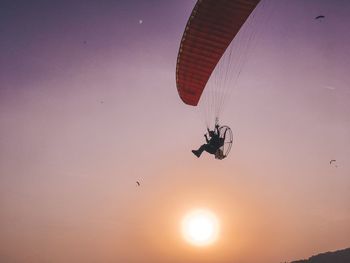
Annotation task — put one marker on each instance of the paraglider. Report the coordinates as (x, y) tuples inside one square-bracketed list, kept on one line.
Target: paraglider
[(333, 163), (212, 26), (218, 142), (319, 17)]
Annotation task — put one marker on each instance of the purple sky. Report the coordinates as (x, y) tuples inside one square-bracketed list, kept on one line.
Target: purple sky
[(88, 106)]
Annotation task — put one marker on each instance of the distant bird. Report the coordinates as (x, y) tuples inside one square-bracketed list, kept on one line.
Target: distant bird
[(138, 183), (319, 17), (85, 42), (330, 162)]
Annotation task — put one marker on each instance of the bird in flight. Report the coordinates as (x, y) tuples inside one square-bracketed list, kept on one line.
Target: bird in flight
[(138, 183)]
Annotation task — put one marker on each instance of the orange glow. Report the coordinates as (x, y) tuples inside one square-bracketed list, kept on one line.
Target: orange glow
[(200, 227)]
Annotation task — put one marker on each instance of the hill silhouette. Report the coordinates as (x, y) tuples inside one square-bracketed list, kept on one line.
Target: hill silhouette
[(339, 256)]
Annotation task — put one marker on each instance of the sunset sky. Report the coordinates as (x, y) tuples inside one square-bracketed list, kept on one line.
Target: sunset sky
[(89, 106)]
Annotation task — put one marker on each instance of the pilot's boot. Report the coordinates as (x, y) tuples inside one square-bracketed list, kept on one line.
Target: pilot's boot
[(196, 153)]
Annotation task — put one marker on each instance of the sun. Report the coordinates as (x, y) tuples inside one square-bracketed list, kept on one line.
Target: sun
[(200, 227)]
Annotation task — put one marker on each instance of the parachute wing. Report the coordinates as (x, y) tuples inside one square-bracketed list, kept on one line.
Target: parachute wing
[(210, 29), (319, 17)]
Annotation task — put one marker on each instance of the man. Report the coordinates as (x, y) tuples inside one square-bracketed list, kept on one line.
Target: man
[(214, 143)]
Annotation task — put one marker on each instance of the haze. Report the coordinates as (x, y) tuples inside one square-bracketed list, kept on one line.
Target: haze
[(89, 106)]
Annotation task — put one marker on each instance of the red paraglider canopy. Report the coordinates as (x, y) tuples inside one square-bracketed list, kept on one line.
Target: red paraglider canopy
[(210, 29)]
